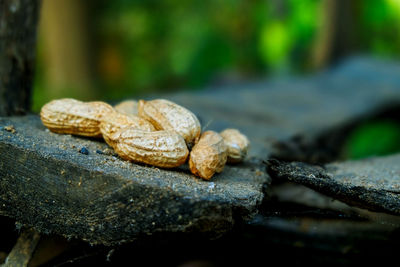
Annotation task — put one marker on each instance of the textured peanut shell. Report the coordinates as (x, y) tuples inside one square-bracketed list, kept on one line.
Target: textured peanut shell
[(165, 149), (128, 107), (237, 145), (115, 121), (166, 115), (208, 156), (70, 116)]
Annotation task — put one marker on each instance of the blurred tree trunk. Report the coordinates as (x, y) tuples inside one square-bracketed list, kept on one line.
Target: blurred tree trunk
[(18, 21), (337, 34), (65, 44)]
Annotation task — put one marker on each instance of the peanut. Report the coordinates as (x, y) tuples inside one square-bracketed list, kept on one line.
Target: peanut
[(208, 156), (237, 145), (165, 149), (70, 116), (128, 107), (115, 121), (136, 138), (166, 115)]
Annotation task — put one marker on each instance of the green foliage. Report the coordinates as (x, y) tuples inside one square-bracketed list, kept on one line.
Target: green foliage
[(172, 44), (275, 44), (144, 46), (380, 27), (285, 40), (374, 138)]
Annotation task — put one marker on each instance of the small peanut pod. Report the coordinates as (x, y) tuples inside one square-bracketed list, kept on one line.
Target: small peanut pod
[(237, 144), (166, 115), (165, 149), (70, 116), (128, 107), (115, 121), (208, 156)]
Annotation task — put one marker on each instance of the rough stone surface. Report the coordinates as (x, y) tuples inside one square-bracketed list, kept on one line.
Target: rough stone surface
[(373, 183), (47, 183)]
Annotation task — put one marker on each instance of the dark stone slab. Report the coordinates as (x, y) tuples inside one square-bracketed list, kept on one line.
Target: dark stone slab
[(46, 182), (373, 184)]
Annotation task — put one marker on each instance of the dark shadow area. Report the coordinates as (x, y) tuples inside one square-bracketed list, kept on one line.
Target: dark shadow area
[(264, 242), (9, 236), (352, 140)]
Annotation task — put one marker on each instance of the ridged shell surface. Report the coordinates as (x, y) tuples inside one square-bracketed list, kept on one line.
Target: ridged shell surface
[(166, 115), (208, 156), (70, 116), (237, 144), (165, 149), (128, 107), (115, 121)]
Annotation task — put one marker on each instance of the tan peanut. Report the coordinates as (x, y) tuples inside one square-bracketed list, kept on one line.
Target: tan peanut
[(128, 107), (166, 115), (208, 156), (237, 144), (115, 121), (165, 149), (70, 116)]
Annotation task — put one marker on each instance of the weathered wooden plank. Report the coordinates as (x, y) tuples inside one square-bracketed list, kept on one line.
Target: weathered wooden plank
[(21, 253), (18, 21), (46, 182), (275, 110), (373, 183)]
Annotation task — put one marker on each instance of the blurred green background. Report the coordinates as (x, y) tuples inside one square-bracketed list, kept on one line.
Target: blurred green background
[(110, 50), (114, 49)]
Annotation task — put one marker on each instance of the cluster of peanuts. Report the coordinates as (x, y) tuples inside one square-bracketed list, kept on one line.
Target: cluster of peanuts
[(157, 132)]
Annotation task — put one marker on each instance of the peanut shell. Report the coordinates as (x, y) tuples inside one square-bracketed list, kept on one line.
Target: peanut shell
[(115, 121), (237, 144), (166, 115), (70, 116), (165, 149), (128, 107), (208, 156)]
